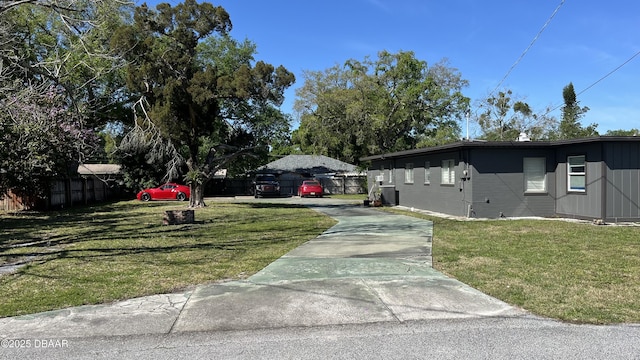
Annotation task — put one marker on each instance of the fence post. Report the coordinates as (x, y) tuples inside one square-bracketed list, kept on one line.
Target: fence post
[(85, 188), (68, 197)]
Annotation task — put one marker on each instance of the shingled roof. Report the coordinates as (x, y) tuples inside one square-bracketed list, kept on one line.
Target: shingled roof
[(99, 169), (309, 164)]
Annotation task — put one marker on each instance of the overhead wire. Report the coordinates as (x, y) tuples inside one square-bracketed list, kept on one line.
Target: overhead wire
[(528, 47), (597, 81)]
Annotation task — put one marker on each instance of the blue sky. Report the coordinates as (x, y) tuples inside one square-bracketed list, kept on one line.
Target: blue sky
[(584, 41)]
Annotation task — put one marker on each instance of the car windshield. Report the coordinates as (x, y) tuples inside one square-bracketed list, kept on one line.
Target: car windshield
[(312, 183)]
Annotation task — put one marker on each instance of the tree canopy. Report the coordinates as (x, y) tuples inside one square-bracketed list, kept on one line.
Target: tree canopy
[(187, 99), (393, 103), (502, 117), (58, 84), (620, 132), (192, 100)]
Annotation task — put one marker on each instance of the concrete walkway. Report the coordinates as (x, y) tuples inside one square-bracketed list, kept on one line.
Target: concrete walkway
[(370, 267)]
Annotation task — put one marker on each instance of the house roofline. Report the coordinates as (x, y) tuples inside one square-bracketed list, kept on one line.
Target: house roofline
[(470, 144)]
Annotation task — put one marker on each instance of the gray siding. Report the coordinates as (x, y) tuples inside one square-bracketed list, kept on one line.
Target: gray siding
[(496, 182), (499, 184), (622, 166), (375, 170), (494, 185), (434, 196), (581, 205)]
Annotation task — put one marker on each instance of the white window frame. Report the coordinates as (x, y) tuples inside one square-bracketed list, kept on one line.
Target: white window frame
[(386, 174), (535, 174), (448, 172), (408, 173), (427, 172), (575, 172)]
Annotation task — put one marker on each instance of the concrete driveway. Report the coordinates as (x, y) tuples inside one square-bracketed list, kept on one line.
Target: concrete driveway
[(370, 267)]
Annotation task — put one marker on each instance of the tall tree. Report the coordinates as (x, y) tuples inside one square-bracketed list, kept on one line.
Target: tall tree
[(494, 120), (40, 139), (56, 78), (257, 119), (570, 126), (503, 117), (389, 104), (65, 43), (188, 101)]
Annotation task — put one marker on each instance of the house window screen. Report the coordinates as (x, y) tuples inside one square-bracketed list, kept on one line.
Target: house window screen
[(576, 171), (534, 175), (448, 172), (408, 173), (427, 172)]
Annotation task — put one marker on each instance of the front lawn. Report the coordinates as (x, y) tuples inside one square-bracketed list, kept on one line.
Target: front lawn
[(111, 252), (576, 272)]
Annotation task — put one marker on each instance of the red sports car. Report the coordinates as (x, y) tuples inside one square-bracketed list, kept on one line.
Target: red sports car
[(310, 188), (168, 191)]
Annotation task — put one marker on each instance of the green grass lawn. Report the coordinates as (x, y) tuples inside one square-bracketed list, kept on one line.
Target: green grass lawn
[(576, 272), (569, 271), (105, 253)]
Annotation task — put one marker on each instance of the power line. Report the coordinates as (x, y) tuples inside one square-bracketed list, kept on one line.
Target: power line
[(611, 72), (529, 47), (597, 81)]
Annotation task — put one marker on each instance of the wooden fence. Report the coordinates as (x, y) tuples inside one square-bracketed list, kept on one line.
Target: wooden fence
[(65, 193), (13, 202), (86, 190)]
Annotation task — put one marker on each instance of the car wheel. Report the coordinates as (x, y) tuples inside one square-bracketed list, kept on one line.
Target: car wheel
[(145, 197), (181, 196)]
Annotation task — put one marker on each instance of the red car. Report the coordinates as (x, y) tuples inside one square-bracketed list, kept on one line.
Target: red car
[(310, 188), (168, 191)]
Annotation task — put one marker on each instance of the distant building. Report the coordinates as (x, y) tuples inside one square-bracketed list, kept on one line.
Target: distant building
[(337, 177), (104, 172)]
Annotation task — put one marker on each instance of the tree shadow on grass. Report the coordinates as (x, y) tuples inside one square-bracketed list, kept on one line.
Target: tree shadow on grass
[(264, 205), (105, 231), (26, 235)]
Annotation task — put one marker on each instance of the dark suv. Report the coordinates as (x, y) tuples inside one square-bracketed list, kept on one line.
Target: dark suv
[(266, 185)]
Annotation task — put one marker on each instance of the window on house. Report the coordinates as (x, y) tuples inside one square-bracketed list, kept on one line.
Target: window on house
[(408, 173), (427, 172), (448, 172), (534, 175), (576, 172)]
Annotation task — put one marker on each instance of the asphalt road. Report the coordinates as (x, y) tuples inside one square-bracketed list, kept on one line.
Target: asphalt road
[(480, 338)]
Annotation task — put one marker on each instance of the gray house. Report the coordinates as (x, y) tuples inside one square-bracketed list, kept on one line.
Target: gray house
[(594, 178)]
